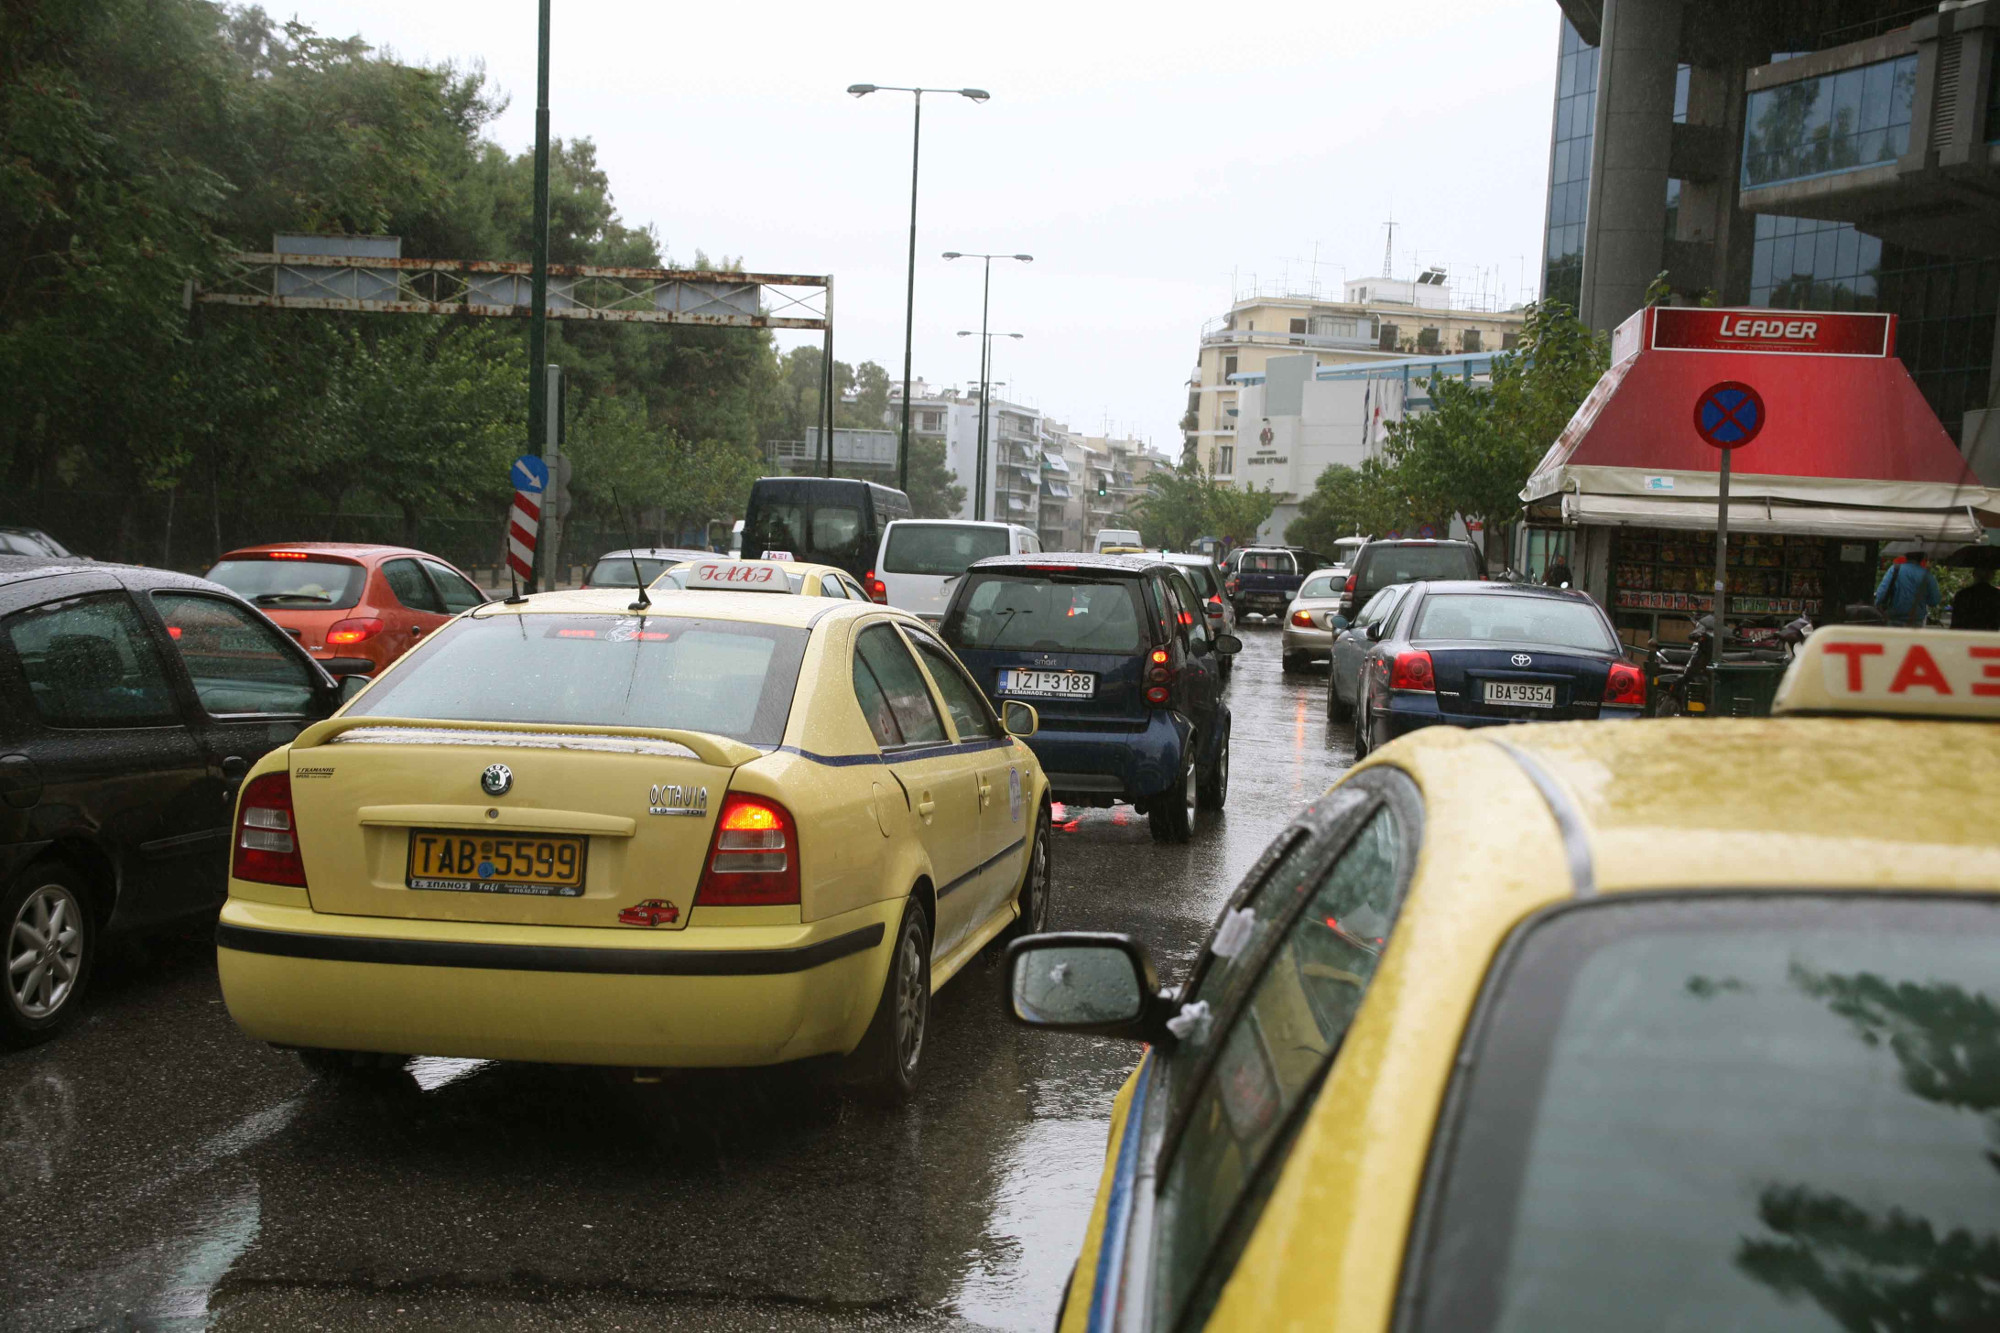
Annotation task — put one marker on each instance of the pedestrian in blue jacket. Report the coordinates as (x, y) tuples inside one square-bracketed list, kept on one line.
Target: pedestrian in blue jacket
[(1908, 591)]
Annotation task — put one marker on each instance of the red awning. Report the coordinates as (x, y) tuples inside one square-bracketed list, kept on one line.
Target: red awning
[(1845, 444)]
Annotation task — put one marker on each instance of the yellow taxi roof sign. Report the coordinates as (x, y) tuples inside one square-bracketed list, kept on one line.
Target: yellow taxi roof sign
[(1876, 669), (738, 575)]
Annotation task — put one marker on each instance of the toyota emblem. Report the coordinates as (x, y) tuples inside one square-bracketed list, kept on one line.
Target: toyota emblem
[(1520, 659), (496, 780)]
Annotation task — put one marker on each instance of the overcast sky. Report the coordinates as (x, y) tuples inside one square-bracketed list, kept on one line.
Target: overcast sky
[(1148, 156)]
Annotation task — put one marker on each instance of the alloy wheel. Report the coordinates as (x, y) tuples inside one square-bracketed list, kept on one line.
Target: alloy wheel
[(1038, 892), (44, 951), (911, 1003)]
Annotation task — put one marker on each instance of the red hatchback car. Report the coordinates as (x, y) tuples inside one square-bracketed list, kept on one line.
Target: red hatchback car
[(356, 608)]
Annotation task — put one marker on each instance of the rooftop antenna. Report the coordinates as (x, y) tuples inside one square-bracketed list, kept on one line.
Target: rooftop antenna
[(1389, 245), (642, 602)]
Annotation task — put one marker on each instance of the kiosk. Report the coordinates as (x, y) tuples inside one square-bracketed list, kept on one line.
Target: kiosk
[(1847, 455)]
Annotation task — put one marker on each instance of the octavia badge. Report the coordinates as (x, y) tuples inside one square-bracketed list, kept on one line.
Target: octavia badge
[(496, 780), (1520, 659)]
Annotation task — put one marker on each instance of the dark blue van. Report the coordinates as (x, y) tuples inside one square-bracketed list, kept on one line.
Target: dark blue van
[(1116, 655), (834, 521)]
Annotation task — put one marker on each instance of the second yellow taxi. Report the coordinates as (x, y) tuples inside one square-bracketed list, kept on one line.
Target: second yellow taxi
[(702, 829)]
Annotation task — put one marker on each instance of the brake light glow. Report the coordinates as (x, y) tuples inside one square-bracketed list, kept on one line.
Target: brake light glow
[(1412, 671), (267, 838), (753, 860), (1625, 685), (288, 555), (1348, 587), (1160, 656), (878, 591), (355, 631), (572, 634), (1303, 619)]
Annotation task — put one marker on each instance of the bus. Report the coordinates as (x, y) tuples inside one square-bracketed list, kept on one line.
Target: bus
[(826, 520)]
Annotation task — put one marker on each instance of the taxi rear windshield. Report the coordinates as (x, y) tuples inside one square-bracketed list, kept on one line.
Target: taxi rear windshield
[(724, 677), (293, 585), (940, 548), (1768, 1113), (1036, 612), (616, 571)]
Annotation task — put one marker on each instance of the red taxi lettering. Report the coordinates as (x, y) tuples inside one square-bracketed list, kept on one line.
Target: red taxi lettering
[(1854, 652), (1919, 668), (1988, 673)]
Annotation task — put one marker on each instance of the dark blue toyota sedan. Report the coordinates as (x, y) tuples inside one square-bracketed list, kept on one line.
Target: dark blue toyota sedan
[(1117, 656), (1466, 654)]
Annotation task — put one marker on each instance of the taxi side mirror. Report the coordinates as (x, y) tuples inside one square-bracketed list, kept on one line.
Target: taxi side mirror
[(1228, 645), (1020, 719), (1337, 622), (351, 686), (1084, 981), (1375, 630)]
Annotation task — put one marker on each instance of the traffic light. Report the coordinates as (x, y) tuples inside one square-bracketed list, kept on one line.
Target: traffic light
[(1103, 488)]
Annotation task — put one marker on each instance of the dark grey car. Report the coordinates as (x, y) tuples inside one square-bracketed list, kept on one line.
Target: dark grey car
[(1350, 649)]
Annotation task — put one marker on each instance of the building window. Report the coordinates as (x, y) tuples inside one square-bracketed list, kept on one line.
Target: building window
[(1469, 340), (1509, 341), (1298, 326), (1427, 338), (1681, 78), (1569, 167), (1225, 461), (1673, 205), (930, 421), (1228, 368), (1837, 122)]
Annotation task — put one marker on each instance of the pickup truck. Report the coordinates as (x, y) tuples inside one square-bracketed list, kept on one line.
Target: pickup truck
[(1263, 579)]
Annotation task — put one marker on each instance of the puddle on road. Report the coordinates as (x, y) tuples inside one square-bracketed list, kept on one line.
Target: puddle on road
[(432, 1072), (1049, 1172)]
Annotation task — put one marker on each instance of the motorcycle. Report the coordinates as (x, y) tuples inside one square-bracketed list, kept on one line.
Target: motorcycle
[(1678, 675)]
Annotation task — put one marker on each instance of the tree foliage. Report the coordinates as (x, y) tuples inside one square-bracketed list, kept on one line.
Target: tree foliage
[(1187, 502)]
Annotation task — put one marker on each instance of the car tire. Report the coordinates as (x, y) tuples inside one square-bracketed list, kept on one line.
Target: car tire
[(1173, 819), (1364, 726), (883, 1069), (353, 1066), (1214, 787), (1336, 710), (1033, 899), (1227, 665), (1291, 663), (45, 914)]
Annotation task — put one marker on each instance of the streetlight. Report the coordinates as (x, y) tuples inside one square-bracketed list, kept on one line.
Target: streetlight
[(910, 296), (986, 388), (985, 351)]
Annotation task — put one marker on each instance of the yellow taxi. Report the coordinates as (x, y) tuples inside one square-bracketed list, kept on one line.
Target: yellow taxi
[(695, 829), (1686, 1024), (728, 574)]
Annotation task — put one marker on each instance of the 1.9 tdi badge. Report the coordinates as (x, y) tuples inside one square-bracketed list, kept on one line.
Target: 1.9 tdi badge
[(497, 780)]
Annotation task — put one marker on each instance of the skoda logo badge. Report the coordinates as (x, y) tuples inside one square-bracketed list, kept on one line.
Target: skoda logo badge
[(496, 780), (1520, 659)]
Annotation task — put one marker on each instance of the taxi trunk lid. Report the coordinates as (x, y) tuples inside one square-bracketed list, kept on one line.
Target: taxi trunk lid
[(517, 825)]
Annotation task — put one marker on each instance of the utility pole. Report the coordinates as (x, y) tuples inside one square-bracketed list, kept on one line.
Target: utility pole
[(538, 300)]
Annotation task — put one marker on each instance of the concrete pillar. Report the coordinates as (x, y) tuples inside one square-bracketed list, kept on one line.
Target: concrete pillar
[(1624, 245)]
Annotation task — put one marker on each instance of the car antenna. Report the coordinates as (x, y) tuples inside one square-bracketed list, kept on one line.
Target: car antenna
[(514, 578), (642, 602)]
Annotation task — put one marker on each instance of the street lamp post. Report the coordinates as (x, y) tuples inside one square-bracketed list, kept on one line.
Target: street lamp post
[(910, 292), (986, 346), (986, 386)]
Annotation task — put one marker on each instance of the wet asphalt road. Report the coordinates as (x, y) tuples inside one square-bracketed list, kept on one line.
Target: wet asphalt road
[(160, 1171)]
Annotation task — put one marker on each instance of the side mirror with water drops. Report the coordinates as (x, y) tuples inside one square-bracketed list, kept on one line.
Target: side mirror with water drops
[(1080, 981)]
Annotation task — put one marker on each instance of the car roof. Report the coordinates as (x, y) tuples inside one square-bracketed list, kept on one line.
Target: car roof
[(953, 523), (356, 550), (1487, 588), (760, 608), (1419, 541), (657, 552), (1725, 806), (1092, 560)]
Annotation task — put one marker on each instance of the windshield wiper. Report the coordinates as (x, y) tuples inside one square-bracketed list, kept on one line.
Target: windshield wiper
[(273, 598)]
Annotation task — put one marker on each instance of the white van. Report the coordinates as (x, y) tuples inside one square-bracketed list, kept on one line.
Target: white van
[(921, 559), (1116, 537)]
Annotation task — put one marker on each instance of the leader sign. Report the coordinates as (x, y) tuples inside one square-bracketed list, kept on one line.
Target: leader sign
[(1798, 333)]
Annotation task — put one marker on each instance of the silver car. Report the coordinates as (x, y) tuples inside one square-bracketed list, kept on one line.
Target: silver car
[(1350, 651), (1308, 621)]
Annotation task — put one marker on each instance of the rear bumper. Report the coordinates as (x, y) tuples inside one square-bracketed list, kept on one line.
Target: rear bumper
[(699, 997), (1407, 712), (1316, 643), (1099, 767)]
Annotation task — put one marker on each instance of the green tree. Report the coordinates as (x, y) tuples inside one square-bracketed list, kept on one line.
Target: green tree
[(1187, 502)]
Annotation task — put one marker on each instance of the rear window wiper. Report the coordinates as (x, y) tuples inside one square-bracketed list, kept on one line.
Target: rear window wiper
[(273, 598)]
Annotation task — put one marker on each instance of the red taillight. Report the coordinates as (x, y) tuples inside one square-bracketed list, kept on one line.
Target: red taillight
[(1234, 583), (267, 837), (753, 861), (878, 591), (1625, 684), (1348, 587), (1215, 604), (1158, 694), (1302, 619), (1160, 656), (1412, 671), (355, 631)]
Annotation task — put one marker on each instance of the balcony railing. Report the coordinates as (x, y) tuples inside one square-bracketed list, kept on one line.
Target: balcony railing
[(1821, 126)]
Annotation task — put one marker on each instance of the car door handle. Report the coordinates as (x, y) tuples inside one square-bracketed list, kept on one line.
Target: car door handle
[(416, 630), (925, 805), (233, 768), (985, 793)]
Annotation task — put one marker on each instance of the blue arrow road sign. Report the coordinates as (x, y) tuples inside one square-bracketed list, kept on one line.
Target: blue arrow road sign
[(531, 474)]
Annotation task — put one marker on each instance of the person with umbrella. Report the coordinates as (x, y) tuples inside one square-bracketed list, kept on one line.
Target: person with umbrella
[(1977, 605)]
